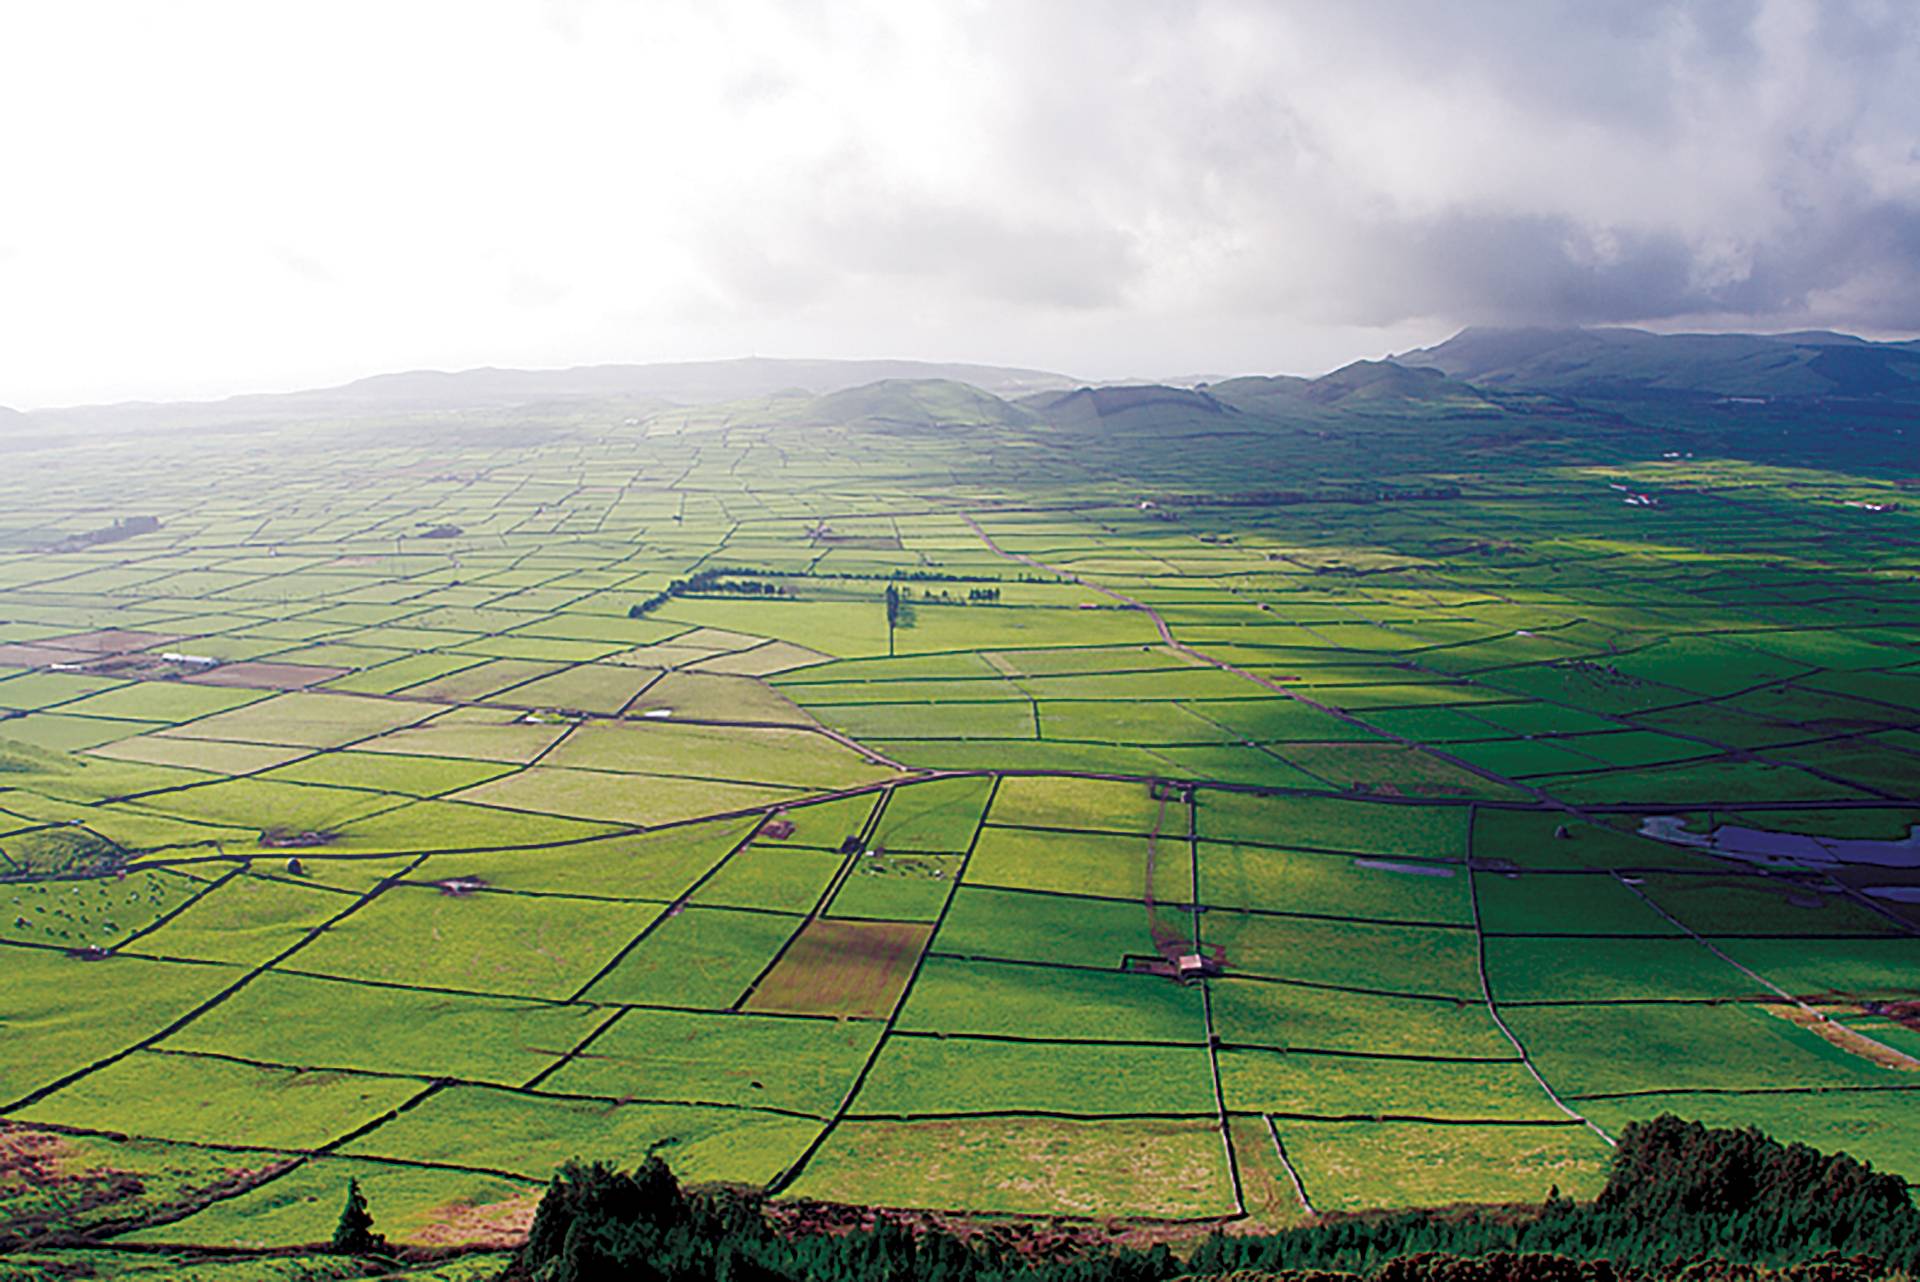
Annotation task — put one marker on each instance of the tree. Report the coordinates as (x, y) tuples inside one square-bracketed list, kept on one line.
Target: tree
[(354, 1234)]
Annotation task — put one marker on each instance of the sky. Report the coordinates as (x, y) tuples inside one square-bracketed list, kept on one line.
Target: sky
[(198, 199)]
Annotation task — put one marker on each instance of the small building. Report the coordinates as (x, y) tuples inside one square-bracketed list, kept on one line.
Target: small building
[(1195, 966)]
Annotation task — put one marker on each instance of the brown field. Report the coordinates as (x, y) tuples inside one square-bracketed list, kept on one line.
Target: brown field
[(843, 968), (1272, 1202), (22, 654), (1852, 1041), (499, 1225), (112, 641)]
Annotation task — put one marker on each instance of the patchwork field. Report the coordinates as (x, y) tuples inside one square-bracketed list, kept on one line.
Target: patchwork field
[(1165, 848)]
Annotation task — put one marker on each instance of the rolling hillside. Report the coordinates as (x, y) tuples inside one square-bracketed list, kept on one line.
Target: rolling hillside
[(905, 404), (642, 387), (1367, 386), (1627, 363), (1129, 405)]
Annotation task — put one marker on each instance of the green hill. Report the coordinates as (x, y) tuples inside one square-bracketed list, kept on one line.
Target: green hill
[(1129, 405), (914, 404)]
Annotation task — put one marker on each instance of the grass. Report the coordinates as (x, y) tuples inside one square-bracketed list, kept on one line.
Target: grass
[(1424, 960), (88, 1182), (1235, 876), (62, 1014), (1354, 1166), (492, 729), (827, 824), (305, 720), (1081, 863), (475, 1126), (768, 876), (703, 957), (1873, 1125), (1591, 970), (658, 866), (896, 887), (1252, 1012), (620, 798), (328, 1023), (915, 1075), (956, 996), (413, 1205), (1358, 827), (722, 1059), (779, 758), (246, 920), (180, 1097), (474, 734), (1347, 1085), (1089, 804), (1578, 1049), (1028, 1166), (989, 922), (390, 773), (91, 913), (504, 944), (938, 816)]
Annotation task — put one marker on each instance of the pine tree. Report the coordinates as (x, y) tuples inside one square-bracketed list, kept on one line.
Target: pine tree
[(354, 1234)]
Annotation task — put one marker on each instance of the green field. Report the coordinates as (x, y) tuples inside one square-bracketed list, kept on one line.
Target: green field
[(463, 860)]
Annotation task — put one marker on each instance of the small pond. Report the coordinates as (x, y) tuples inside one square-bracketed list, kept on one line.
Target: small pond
[(1792, 849)]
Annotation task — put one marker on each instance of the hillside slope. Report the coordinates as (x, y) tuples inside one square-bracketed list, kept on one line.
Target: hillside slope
[(1129, 405), (645, 386), (1631, 362), (923, 404)]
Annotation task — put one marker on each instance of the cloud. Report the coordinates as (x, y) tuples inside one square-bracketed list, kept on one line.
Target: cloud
[(1373, 163), (230, 194)]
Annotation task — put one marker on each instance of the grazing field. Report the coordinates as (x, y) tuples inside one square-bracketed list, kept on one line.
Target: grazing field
[(1030, 820)]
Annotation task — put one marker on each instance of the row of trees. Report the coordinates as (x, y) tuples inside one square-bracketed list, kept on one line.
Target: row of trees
[(1681, 1201), (717, 579), (743, 582)]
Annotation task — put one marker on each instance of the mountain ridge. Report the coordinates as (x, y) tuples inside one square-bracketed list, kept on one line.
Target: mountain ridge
[(902, 404), (655, 385), (1624, 363), (1480, 371)]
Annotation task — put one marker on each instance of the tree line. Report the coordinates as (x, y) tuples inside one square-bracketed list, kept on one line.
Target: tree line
[(1681, 1202)]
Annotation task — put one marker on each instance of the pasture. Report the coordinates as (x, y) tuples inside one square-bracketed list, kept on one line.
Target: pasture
[(440, 861)]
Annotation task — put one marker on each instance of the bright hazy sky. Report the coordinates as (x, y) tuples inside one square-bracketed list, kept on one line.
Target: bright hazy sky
[(203, 198)]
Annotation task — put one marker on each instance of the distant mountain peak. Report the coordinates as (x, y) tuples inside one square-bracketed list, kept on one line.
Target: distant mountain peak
[(913, 404), (491, 389), (1088, 403), (1625, 363)]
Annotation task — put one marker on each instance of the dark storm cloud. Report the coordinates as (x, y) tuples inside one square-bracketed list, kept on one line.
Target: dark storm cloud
[(1368, 163), (1857, 264), (1802, 118)]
